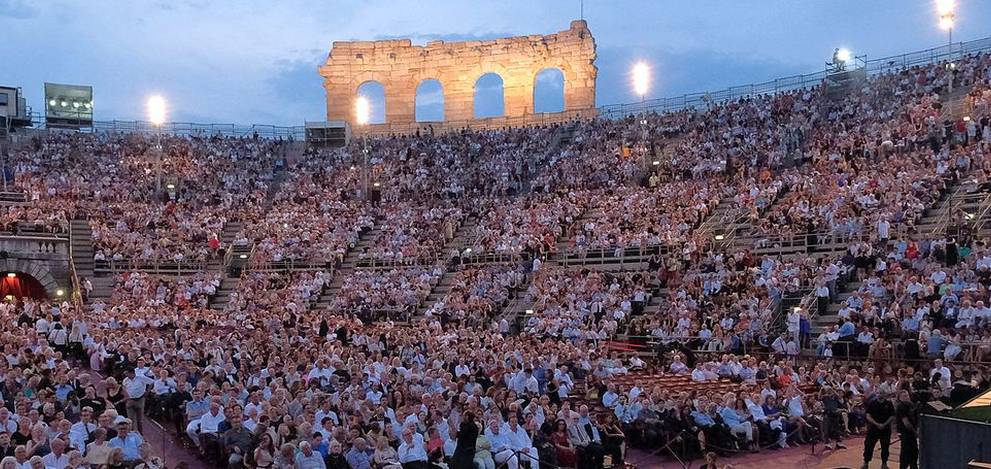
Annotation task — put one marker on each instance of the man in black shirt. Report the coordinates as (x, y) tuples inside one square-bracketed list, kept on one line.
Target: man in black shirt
[(880, 416), (907, 423)]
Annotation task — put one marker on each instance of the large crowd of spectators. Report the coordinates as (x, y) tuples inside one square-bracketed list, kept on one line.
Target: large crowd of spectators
[(268, 380)]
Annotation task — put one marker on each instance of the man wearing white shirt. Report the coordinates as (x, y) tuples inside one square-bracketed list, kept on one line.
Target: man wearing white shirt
[(135, 386), (520, 441), (42, 326), (251, 422), (254, 404), (461, 370), (502, 445), (412, 453), (530, 384), (321, 372), (883, 229), (938, 277), (142, 369), (698, 374), (945, 376), (81, 431), (206, 429), (610, 398), (57, 459), (326, 412)]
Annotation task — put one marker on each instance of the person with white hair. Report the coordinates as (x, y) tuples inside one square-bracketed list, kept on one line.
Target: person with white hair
[(412, 451), (521, 442), (502, 445), (306, 458)]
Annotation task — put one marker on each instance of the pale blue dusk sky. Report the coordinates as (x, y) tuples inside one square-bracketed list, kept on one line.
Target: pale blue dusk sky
[(255, 62)]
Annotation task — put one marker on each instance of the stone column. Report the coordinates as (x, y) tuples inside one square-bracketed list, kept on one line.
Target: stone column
[(340, 102), (518, 94), (459, 100), (578, 96)]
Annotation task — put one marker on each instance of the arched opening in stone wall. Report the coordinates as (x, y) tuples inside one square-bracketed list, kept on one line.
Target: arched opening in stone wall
[(429, 101), (548, 90), (20, 285), (490, 100), (374, 92)]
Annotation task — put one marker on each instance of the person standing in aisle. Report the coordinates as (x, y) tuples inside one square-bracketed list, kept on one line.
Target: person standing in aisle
[(880, 416), (908, 419)]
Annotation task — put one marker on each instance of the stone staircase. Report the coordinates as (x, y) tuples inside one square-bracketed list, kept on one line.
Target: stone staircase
[(437, 292), (81, 240), (441, 288), (463, 236), (560, 139), (955, 103), (932, 223), (227, 286), (346, 267)]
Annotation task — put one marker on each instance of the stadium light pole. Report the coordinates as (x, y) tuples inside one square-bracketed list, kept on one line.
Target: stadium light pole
[(947, 18), (362, 111), (641, 84), (156, 115)]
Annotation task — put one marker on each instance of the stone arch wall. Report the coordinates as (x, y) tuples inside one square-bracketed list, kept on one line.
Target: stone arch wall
[(36, 269), (401, 66)]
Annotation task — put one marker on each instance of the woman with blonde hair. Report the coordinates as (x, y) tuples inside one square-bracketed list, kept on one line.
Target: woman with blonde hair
[(385, 456)]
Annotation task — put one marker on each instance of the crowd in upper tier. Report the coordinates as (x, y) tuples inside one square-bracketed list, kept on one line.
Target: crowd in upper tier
[(437, 321)]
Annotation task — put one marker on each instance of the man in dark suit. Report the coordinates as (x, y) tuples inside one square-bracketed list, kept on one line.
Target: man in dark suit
[(584, 434)]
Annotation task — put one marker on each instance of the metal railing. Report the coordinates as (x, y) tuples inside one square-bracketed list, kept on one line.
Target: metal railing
[(489, 123), (796, 82), (77, 286), (697, 100), (151, 266), (290, 265)]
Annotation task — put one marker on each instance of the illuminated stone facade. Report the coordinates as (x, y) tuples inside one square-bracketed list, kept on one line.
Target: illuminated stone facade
[(400, 67)]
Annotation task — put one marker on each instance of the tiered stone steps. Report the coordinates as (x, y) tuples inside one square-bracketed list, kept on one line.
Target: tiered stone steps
[(346, 267), (227, 286), (932, 223), (81, 240), (437, 292)]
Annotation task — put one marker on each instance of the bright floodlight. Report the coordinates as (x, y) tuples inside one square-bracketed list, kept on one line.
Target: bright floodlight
[(156, 110), (844, 55), (945, 6), (946, 22), (641, 78), (362, 110)]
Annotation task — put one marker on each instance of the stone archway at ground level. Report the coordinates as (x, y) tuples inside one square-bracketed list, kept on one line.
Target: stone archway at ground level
[(36, 269)]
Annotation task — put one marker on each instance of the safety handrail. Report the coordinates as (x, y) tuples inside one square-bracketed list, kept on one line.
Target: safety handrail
[(151, 266), (77, 290)]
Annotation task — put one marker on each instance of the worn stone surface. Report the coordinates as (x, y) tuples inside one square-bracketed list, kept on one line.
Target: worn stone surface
[(400, 67)]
